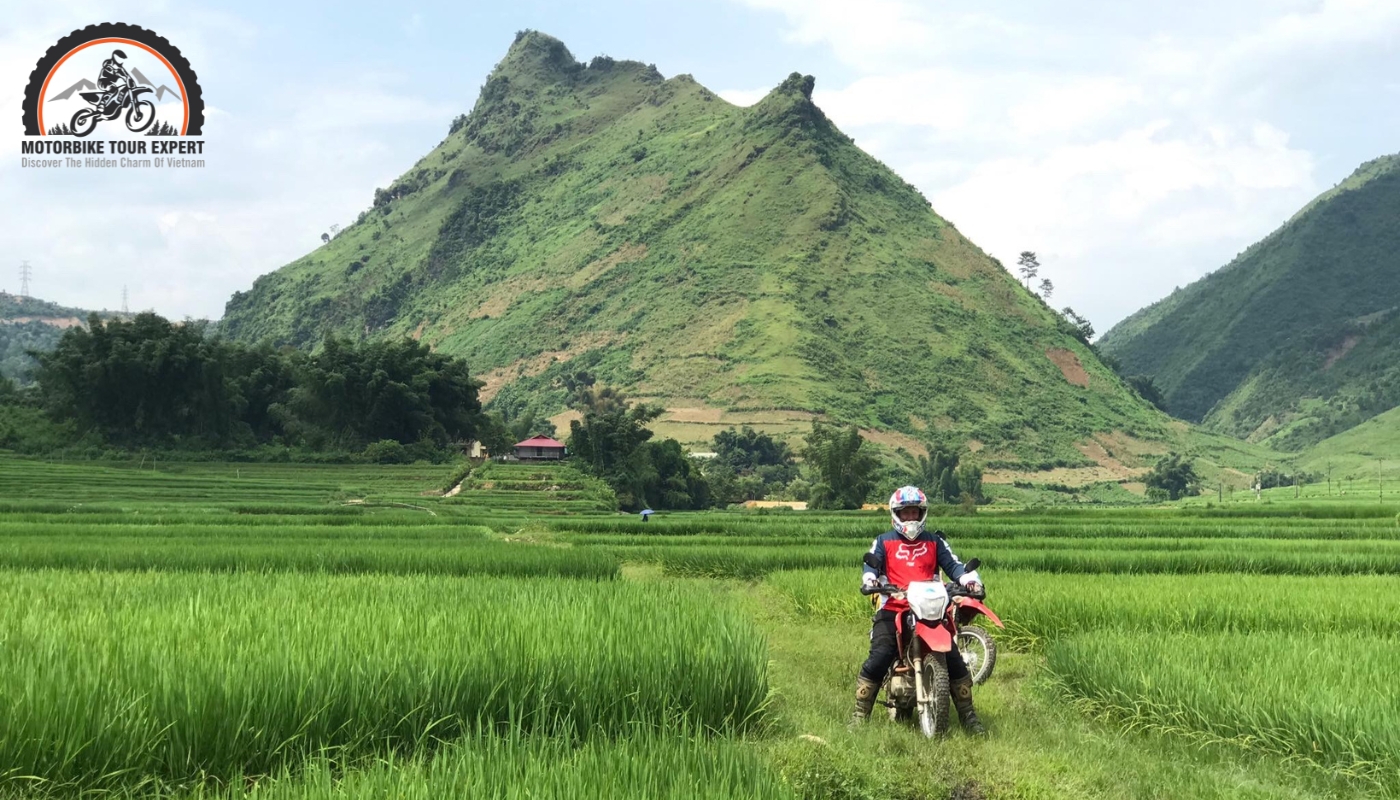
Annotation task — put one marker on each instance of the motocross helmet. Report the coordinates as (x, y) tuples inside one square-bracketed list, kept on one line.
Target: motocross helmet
[(119, 55), (908, 497)]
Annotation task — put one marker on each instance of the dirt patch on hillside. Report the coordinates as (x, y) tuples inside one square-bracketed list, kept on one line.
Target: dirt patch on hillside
[(1339, 352), (504, 294), (1095, 451), (562, 419), (56, 322), (418, 331), (1118, 459), (1136, 487), (711, 415), (895, 440), (1128, 448), (795, 505), (597, 269), (1069, 366), (497, 378), (1069, 476), (974, 446)]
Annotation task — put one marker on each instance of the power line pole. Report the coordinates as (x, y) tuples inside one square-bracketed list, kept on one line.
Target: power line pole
[(124, 311), (24, 273)]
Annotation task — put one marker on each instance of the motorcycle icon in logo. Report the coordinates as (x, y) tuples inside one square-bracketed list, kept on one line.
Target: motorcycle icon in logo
[(119, 93)]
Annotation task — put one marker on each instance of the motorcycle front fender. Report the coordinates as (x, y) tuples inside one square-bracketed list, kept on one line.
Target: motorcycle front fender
[(936, 637), (977, 606)]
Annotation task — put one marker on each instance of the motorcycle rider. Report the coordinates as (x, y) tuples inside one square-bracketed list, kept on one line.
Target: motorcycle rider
[(905, 554), (114, 81)]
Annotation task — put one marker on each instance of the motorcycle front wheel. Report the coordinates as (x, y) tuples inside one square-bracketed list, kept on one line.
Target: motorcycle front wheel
[(140, 116), (84, 122), (978, 650), (933, 711)]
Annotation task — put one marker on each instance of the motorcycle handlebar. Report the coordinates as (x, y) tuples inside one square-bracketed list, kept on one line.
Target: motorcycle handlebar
[(954, 590), (958, 590)]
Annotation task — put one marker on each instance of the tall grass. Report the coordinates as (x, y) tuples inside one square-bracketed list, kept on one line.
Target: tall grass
[(1038, 607), (335, 556), (114, 678), (539, 768), (1330, 699)]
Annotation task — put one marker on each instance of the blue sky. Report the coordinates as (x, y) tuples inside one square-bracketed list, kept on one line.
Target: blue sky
[(1134, 146)]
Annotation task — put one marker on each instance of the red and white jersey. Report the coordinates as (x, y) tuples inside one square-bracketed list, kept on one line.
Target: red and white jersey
[(903, 562)]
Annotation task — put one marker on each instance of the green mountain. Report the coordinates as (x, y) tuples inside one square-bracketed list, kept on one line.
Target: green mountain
[(737, 265), (1296, 339), (30, 324)]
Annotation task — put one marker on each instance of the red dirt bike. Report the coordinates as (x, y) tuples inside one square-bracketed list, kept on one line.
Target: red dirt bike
[(917, 686)]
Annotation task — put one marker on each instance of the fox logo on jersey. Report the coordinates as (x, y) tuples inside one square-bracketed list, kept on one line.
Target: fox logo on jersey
[(907, 554)]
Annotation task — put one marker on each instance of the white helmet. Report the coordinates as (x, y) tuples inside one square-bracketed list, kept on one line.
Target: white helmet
[(907, 497)]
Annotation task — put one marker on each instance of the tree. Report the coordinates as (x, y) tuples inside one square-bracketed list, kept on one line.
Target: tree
[(845, 474), (334, 229), (613, 443), (970, 481), (350, 394), (747, 449), (1046, 288), (325, 237), (527, 426), (750, 464), (1028, 266), (494, 434), (945, 479), (1147, 390), (1175, 475), (1077, 326)]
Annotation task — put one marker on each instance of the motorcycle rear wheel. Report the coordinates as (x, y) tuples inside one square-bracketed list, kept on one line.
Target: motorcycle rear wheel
[(84, 122), (933, 711), (140, 116), (979, 650)]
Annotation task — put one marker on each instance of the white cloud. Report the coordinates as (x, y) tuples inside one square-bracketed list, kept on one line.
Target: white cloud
[(1088, 133)]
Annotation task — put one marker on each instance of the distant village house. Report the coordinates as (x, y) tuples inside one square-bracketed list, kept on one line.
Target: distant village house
[(540, 448)]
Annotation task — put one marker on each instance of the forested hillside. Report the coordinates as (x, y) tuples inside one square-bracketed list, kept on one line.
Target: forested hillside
[(1294, 341)]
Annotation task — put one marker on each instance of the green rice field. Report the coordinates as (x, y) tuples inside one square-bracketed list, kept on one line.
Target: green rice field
[(316, 631)]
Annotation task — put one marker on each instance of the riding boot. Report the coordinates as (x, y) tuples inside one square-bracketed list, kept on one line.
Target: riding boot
[(865, 700), (962, 701)]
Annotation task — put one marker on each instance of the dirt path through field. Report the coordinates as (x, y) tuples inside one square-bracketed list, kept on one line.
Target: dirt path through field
[(1040, 746)]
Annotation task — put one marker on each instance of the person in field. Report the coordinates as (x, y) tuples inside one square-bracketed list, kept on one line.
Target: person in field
[(905, 554)]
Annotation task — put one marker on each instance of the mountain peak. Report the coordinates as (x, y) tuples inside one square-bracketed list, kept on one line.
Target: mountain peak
[(798, 83), (539, 56), (724, 262)]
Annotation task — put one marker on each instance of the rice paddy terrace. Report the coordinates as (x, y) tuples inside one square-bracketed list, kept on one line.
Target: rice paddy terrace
[(297, 631)]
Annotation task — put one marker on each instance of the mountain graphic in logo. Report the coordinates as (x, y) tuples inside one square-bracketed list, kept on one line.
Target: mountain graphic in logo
[(83, 85), (161, 91)]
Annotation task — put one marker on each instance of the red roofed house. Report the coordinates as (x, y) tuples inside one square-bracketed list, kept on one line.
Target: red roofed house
[(540, 448)]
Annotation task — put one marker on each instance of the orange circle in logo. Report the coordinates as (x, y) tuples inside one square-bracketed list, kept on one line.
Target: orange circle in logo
[(184, 95)]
